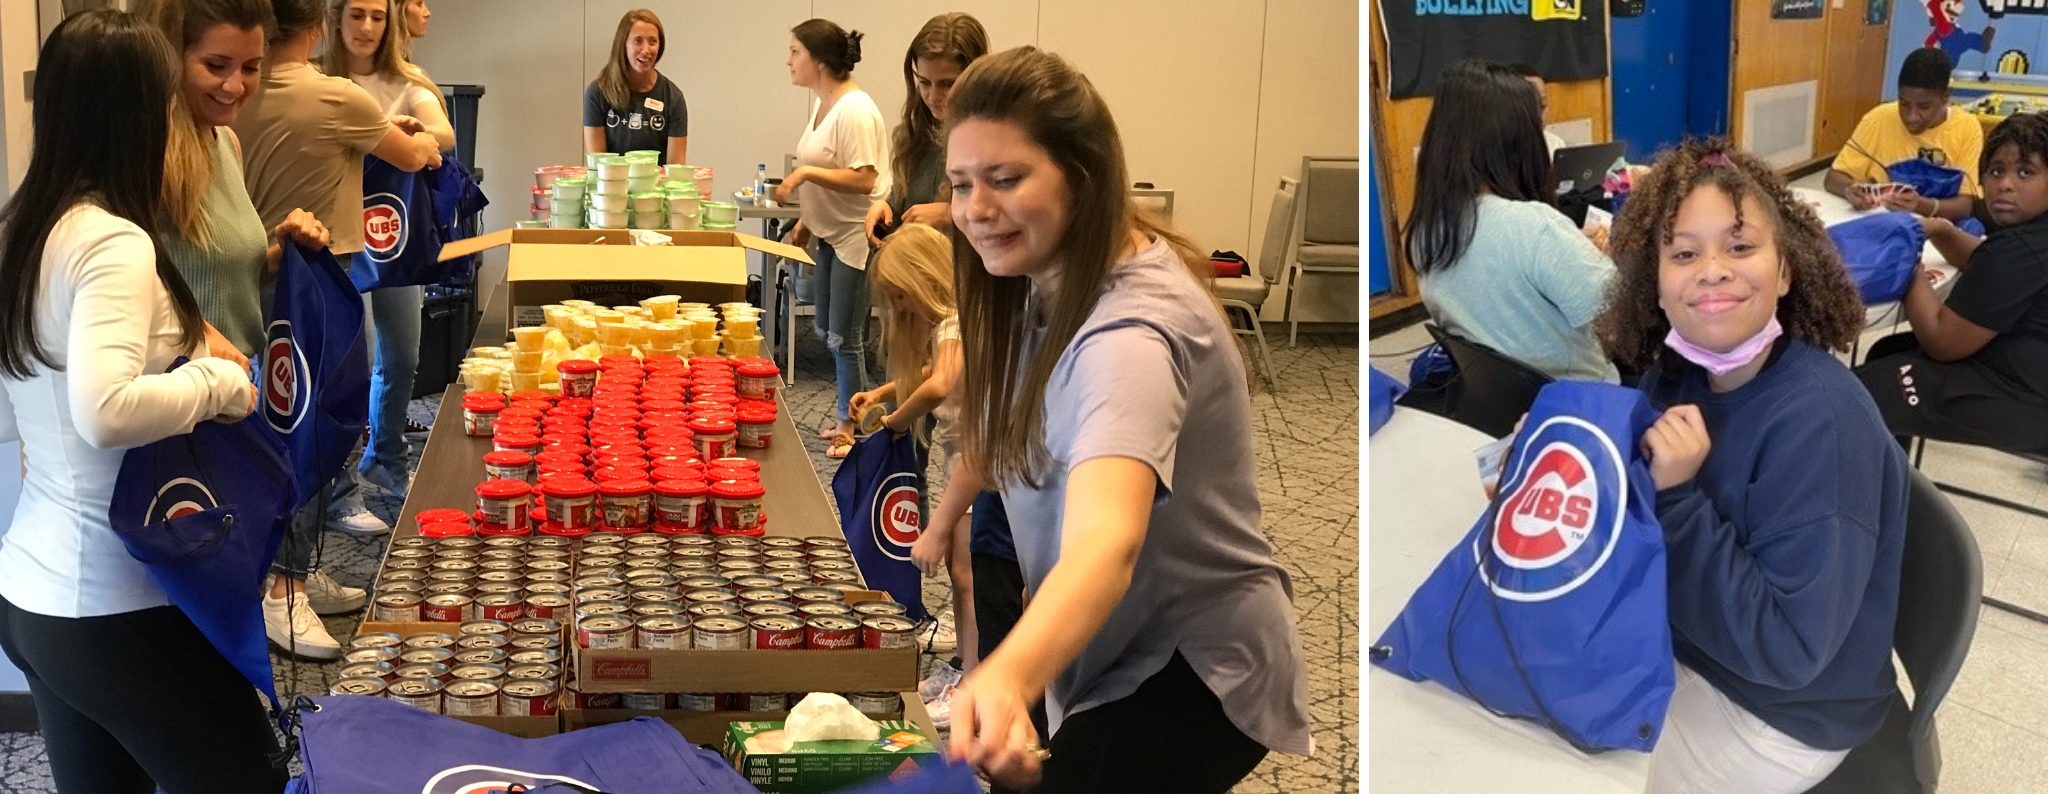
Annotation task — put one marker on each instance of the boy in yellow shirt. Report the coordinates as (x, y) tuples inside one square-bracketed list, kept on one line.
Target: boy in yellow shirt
[(1918, 125)]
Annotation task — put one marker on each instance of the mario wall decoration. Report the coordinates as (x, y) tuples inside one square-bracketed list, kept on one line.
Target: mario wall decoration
[(1944, 15)]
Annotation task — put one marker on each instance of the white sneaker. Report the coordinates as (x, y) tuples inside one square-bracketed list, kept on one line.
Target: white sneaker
[(291, 625), (942, 679), (939, 635), (941, 709), (350, 515), (329, 597)]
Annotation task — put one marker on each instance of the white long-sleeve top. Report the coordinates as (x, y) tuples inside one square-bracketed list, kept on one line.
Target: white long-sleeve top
[(106, 319)]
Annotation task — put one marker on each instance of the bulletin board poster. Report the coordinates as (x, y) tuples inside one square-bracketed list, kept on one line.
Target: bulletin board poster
[(1795, 9), (1562, 39)]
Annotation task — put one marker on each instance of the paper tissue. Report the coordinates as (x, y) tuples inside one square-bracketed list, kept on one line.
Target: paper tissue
[(823, 716)]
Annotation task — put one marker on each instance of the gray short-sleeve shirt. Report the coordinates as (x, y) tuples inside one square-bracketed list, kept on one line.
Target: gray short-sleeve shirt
[(1154, 375)]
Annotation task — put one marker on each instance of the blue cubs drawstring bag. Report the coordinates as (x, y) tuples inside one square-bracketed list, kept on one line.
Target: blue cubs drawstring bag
[(1552, 607), (1881, 251)]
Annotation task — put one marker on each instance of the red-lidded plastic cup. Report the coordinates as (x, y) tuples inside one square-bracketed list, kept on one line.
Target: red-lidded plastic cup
[(480, 413), (628, 505), (738, 505), (571, 505), (754, 428), (502, 505), (758, 380), (578, 377), (509, 465), (682, 507), (714, 437)]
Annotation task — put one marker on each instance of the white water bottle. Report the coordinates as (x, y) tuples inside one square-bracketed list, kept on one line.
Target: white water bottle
[(761, 184)]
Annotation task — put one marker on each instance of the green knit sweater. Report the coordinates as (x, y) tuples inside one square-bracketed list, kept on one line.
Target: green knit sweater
[(227, 278)]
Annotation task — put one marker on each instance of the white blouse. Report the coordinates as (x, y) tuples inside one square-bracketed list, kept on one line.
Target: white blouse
[(107, 321)]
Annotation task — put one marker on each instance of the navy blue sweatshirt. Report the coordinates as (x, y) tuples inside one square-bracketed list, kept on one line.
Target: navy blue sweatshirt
[(1784, 552)]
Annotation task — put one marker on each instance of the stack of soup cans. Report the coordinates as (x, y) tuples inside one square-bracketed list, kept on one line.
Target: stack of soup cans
[(487, 668)]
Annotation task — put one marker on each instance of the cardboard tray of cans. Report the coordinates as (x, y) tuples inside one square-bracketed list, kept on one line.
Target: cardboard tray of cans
[(523, 727), (745, 670), (709, 727)]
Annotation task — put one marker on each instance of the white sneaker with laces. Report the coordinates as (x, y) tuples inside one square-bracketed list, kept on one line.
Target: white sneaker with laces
[(941, 709), (291, 625), (939, 635), (349, 514), (329, 597), (942, 679)]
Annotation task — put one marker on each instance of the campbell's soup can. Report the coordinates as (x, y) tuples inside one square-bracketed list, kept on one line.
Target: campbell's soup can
[(779, 633), (663, 633), (888, 632), (361, 655), (428, 639), (774, 594), (816, 609), (546, 577), (764, 701), (713, 609), (513, 589), (396, 608), (579, 699), (767, 609), (704, 582), (447, 608), (383, 639), (644, 701), (552, 588), (709, 596), (535, 625), (527, 698), (531, 642), (875, 704), (654, 579), (605, 632), (420, 693), (537, 671), (804, 594), (370, 687), (470, 698), (696, 701), (524, 656), (502, 606), (470, 656), (755, 580), (382, 671), (426, 656), (473, 642), (477, 672), (650, 609), (831, 633), (552, 606), (596, 594), (878, 608), (721, 634), (434, 670), (799, 577)]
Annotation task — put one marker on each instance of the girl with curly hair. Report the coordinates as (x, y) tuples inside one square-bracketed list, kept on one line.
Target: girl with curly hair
[(1975, 369), (1782, 499)]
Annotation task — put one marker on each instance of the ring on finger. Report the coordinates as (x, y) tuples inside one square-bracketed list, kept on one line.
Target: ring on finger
[(1040, 753)]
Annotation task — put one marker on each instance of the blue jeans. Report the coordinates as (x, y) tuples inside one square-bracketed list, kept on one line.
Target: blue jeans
[(394, 331), (842, 321)]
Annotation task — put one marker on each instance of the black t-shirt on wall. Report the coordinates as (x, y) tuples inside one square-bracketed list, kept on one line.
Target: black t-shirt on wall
[(649, 119), (2005, 289)]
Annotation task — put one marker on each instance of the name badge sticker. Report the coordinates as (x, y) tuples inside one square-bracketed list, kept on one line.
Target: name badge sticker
[(654, 104)]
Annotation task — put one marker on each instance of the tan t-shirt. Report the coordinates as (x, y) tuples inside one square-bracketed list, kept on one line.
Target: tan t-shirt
[(303, 140)]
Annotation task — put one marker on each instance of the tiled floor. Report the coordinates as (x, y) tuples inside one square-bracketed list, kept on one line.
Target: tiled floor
[(1307, 430), (1996, 716)]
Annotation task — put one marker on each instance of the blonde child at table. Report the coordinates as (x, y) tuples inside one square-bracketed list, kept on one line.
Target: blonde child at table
[(912, 280), (1974, 369), (1782, 499)]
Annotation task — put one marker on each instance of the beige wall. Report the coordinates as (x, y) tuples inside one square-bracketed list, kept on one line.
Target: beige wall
[(1216, 99), (18, 43)]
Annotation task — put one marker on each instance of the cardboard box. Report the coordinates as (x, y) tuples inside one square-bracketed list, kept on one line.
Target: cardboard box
[(778, 767), (856, 670), (523, 727), (605, 267)]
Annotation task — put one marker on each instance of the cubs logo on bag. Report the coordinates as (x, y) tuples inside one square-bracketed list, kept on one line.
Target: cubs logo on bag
[(897, 519), (384, 226), (1552, 606), (481, 779), (1559, 515), (877, 489), (287, 381), (182, 496)]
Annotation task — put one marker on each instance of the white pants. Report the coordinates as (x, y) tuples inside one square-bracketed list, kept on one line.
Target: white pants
[(1710, 746)]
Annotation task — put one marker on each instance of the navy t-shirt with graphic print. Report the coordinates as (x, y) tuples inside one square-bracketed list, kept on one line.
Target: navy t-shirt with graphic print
[(647, 122)]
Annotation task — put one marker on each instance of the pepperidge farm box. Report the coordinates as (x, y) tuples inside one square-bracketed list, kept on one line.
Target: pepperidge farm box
[(776, 766)]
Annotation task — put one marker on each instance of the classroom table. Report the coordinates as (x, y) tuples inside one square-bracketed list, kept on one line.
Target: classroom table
[(1424, 495), (1889, 317)]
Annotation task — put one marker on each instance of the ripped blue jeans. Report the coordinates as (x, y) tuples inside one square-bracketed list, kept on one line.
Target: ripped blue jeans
[(841, 297)]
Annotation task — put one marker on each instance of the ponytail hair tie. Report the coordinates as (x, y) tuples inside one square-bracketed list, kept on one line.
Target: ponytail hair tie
[(1717, 160)]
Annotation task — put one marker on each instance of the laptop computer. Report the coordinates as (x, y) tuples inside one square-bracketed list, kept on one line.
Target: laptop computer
[(1581, 167)]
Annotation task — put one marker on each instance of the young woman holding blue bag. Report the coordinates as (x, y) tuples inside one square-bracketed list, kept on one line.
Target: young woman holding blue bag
[(1782, 499)]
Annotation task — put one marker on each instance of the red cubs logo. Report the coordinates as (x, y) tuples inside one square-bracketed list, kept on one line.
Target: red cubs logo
[(178, 498), (287, 380), (1559, 514), (383, 226), (895, 516), (481, 779)]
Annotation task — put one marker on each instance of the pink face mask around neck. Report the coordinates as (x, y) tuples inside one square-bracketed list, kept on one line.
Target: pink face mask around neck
[(1724, 363)]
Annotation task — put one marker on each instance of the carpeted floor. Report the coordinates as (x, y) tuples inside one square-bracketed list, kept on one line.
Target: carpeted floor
[(1307, 426)]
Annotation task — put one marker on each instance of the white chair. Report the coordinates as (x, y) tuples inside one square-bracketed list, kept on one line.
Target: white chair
[(1245, 294), (1327, 225)]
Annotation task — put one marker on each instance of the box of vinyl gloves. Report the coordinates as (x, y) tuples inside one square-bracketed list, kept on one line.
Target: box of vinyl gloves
[(825, 745)]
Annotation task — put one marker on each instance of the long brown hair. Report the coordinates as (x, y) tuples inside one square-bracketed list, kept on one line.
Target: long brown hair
[(1002, 416), (188, 163), (612, 80), (1821, 306), (953, 36), (388, 60)]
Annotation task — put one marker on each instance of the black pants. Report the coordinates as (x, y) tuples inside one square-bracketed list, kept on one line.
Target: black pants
[(1955, 401), (138, 700), (1169, 736)]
